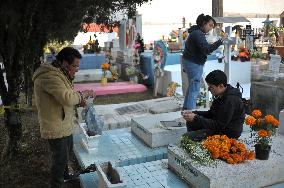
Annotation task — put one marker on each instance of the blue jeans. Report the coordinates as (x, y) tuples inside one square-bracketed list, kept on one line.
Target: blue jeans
[(194, 75)]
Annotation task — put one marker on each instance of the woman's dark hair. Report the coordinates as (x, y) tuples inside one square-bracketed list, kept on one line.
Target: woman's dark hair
[(204, 19), (68, 54), (216, 78)]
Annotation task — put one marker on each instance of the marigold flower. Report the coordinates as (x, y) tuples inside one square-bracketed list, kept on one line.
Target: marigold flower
[(263, 133), (251, 155), (275, 122), (256, 113), (250, 120), (269, 118), (105, 66)]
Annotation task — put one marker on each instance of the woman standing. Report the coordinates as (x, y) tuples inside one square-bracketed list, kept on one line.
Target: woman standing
[(194, 56)]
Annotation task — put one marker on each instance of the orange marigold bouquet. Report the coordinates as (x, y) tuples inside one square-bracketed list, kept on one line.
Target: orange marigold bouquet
[(262, 127), (229, 150)]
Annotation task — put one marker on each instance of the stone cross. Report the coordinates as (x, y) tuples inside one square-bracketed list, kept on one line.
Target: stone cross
[(227, 50)]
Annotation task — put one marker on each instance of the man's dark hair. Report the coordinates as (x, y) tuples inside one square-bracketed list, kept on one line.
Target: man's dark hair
[(204, 19), (216, 78), (68, 54)]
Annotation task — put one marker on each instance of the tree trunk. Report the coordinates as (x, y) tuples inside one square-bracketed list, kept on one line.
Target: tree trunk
[(14, 127), (217, 8), (10, 98)]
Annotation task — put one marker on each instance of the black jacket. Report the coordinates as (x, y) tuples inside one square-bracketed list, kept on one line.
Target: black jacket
[(226, 115), (196, 46)]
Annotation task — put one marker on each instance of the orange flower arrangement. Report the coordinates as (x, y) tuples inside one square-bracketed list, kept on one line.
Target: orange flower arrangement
[(229, 150), (172, 89), (264, 127)]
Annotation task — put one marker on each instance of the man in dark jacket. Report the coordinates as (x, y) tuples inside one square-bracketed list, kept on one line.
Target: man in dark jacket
[(226, 115)]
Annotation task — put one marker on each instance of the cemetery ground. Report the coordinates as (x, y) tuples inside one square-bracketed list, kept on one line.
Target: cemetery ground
[(30, 167)]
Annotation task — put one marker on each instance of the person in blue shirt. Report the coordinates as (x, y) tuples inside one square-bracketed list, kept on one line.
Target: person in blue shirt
[(194, 56)]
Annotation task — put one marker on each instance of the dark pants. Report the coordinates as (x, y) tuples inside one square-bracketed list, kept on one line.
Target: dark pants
[(197, 133), (60, 148)]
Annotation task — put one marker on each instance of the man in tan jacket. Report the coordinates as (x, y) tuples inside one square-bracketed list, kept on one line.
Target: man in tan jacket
[(55, 101)]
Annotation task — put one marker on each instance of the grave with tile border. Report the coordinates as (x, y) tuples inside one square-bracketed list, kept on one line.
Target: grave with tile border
[(119, 146), (248, 174), (153, 174)]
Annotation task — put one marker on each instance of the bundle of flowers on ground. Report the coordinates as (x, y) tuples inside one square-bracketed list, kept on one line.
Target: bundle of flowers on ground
[(196, 151), (262, 127), (229, 150)]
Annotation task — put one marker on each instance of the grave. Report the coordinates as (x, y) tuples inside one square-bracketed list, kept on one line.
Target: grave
[(153, 174), (116, 116), (159, 129), (248, 174), (118, 146), (111, 88), (268, 95), (90, 75)]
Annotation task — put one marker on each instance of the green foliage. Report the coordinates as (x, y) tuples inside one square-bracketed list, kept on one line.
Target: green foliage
[(55, 46)]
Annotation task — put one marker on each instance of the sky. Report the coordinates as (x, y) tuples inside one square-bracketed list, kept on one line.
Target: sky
[(159, 17), (173, 11)]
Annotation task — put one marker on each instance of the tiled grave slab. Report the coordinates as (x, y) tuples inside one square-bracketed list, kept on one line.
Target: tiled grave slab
[(150, 174), (117, 116), (120, 147), (151, 131), (256, 173)]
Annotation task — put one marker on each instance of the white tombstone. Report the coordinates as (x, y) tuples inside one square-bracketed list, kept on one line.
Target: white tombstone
[(122, 35), (274, 65)]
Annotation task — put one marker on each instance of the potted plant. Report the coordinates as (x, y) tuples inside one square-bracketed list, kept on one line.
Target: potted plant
[(262, 130)]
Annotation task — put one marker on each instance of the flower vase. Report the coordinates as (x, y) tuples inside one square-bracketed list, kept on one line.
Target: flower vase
[(243, 59), (133, 79), (103, 81), (262, 151)]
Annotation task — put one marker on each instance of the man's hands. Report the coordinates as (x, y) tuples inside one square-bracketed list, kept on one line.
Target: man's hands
[(85, 95), (188, 115)]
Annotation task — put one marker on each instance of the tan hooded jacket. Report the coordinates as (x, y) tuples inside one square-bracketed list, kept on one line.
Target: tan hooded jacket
[(55, 101)]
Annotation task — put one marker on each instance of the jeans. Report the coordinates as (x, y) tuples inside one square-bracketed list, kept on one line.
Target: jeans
[(60, 148), (194, 75)]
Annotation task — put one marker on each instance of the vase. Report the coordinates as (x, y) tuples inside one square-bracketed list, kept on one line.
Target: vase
[(104, 81), (262, 151), (133, 79), (243, 59)]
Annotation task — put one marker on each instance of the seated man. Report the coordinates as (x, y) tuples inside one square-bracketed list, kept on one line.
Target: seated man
[(226, 115)]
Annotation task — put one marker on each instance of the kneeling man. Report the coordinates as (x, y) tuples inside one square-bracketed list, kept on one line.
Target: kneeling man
[(226, 115)]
